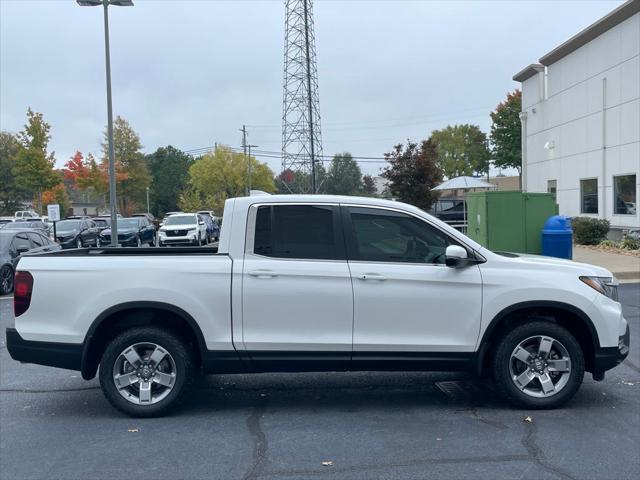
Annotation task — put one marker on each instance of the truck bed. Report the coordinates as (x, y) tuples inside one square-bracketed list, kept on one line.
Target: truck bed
[(145, 251)]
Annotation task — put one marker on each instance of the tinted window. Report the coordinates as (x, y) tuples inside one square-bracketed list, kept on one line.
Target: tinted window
[(589, 195), (388, 236), (37, 240), (295, 231), (624, 193), (21, 241)]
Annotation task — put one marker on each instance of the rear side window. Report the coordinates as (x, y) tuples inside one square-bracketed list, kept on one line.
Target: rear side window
[(296, 231), (37, 240)]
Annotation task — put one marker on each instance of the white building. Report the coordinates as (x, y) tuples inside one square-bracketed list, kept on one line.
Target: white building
[(581, 120)]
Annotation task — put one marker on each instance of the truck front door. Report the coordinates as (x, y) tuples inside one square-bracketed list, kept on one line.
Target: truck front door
[(297, 300)]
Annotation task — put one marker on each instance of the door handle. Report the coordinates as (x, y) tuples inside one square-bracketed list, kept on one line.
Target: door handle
[(372, 276), (263, 274)]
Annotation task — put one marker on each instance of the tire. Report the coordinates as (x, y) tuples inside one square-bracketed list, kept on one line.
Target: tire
[(138, 242), (6, 280), (527, 377), (177, 362), (79, 243)]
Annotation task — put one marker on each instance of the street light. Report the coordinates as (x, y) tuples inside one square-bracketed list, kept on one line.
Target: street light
[(112, 160)]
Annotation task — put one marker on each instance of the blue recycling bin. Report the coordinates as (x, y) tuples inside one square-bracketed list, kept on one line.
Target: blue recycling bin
[(557, 237)]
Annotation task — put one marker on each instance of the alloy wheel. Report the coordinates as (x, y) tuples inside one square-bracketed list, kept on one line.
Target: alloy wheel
[(6, 280), (144, 373), (540, 366)]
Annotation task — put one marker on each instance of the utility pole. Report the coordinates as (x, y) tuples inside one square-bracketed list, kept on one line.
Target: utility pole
[(249, 166), (244, 148)]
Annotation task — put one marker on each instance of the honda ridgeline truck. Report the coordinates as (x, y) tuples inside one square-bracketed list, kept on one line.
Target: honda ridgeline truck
[(317, 283)]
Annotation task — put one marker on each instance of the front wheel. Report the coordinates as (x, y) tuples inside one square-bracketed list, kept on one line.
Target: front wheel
[(144, 371), (6, 280), (538, 365), (79, 243)]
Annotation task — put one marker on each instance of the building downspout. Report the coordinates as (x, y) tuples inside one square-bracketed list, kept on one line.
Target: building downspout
[(523, 168), (604, 147)]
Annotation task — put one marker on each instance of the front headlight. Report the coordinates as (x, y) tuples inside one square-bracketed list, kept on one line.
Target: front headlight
[(191, 232), (607, 286)]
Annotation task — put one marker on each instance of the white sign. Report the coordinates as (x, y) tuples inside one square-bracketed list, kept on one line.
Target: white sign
[(53, 212)]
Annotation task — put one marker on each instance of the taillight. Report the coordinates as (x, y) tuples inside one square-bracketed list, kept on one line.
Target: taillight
[(22, 287)]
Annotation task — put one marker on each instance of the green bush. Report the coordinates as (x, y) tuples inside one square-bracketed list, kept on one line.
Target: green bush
[(608, 243), (630, 243), (589, 231)]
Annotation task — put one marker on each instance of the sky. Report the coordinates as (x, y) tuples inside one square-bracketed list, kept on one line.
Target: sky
[(190, 73)]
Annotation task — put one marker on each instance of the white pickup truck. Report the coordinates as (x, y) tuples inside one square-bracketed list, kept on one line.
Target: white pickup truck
[(317, 283)]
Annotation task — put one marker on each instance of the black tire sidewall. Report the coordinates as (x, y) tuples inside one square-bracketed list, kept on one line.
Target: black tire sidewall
[(168, 341), (502, 357), (11, 286)]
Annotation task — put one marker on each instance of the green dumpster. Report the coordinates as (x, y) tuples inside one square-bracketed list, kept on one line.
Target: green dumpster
[(509, 221)]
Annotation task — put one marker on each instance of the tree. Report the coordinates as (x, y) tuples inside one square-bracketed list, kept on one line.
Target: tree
[(344, 176), (169, 170), (10, 194), (506, 133), (462, 150), (369, 186), (413, 172), (33, 168), (133, 178), (223, 174), (58, 194)]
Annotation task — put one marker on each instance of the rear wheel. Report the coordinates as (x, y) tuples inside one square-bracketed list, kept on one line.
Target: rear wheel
[(144, 371), (538, 365), (6, 280)]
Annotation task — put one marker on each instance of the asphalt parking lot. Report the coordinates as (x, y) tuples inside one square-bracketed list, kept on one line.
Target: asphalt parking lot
[(54, 425)]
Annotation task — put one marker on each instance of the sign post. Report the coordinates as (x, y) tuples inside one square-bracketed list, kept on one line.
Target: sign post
[(53, 213)]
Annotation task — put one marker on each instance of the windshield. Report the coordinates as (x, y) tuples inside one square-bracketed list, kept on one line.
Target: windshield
[(128, 223), (67, 226), (180, 219)]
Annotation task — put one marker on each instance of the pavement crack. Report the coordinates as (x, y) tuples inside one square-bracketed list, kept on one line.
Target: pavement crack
[(537, 455), (260, 445)]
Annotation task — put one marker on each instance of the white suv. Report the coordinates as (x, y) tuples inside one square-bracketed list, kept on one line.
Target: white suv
[(183, 229)]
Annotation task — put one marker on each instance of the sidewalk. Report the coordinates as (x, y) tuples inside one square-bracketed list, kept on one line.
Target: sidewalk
[(626, 268)]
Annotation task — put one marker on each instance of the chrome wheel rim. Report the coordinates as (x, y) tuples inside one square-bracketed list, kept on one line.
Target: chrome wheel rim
[(144, 373), (79, 243), (540, 366)]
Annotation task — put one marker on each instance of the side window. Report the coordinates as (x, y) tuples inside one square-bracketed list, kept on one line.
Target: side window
[(388, 236), (37, 240), (296, 231), (21, 241)]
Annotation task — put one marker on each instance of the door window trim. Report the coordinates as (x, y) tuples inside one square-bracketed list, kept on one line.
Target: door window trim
[(349, 236), (338, 234)]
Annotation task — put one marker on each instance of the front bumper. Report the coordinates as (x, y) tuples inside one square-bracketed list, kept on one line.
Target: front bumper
[(185, 240), (67, 242), (52, 354), (608, 357)]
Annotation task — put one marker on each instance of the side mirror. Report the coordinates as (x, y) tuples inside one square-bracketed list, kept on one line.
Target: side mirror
[(455, 256)]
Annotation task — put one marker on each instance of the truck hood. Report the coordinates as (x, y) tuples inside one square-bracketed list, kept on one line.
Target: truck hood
[(555, 263)]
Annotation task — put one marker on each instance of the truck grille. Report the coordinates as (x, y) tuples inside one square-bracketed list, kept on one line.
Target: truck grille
[(176, 233)]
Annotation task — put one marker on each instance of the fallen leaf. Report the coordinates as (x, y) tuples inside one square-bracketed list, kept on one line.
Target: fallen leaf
[(527, 419), (327, 463), (132, 430)]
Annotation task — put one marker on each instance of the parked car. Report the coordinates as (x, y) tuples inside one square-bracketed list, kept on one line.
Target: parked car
[(213, 230), (23, 223), (5, 220), (318, 283), (13, 244), (26, 214), (183, 229), (102, 222), (77, 233), (132, 232), (449, 210)]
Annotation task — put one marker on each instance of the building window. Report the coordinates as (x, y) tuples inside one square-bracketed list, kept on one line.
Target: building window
[(589, 195), (624, 195), (552, 186)]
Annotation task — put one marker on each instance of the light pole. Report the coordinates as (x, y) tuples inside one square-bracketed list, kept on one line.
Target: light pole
[(112, 160), (148, 211)]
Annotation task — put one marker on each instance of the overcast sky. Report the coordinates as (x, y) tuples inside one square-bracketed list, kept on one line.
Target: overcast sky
[(191, 72)]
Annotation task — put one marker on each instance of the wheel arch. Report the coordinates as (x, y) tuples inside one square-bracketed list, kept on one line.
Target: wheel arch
[(119, 317), (564, 314)]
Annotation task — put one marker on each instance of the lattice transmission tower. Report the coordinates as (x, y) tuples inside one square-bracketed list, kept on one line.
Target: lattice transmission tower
[(301, 135)]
